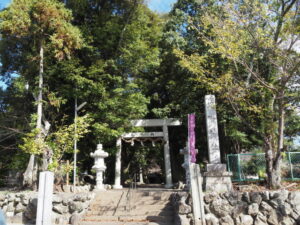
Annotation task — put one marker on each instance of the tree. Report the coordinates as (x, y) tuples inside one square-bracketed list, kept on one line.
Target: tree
[(122, 45), (258, 38), (46, 26)]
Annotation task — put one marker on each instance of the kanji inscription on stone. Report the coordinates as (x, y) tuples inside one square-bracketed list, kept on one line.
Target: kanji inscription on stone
[(212, 130)]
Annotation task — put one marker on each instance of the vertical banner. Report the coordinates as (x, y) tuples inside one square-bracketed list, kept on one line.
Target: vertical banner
[(192, 136)]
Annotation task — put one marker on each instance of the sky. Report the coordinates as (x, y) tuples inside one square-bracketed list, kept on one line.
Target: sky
[(4, 3), (155, 5), (161, 6)]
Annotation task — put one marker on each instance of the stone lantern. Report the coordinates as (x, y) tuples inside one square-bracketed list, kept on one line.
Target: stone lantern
[(99, 155)]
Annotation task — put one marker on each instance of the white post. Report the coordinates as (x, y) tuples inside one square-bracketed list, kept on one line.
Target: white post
[(168, 171), (141, 180), (118, 165), (44, 206)]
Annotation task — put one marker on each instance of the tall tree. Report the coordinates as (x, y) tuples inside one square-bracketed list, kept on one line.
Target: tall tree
[(46, 26), (258, 38)]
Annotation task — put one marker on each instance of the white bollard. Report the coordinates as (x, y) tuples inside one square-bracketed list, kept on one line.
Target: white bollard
[(44, 206)]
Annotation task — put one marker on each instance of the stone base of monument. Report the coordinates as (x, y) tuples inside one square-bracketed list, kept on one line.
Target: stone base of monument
[(217, 179), (117, 187)]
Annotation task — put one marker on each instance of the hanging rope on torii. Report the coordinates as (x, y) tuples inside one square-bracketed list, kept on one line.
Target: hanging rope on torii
[(144, 140)]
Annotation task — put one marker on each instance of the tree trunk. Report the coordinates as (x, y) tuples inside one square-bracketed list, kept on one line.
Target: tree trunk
[(40, 106), (273, 165), (40, 95), (30, 175), (273, 154)]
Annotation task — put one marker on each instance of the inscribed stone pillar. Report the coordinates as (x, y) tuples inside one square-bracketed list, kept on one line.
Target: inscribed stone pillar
[(216, 177), (212, 130)]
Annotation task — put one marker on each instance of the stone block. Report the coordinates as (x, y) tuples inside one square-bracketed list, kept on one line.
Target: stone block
[(246, 220), (184, 208), (287, 221), (285, 209), (211, 219), (282, 194), (75, 207), (260, 219), (226, 220), (217, 183), (183, 220), (221, 208), (61, 209), (210, 196), (265, 196), (2, 197), (216, 167), (246, 197), (239, 209), (57, 199), (20, 208), (75, 219), (265, 208), (255, 197), (273, 218), (253, 209)]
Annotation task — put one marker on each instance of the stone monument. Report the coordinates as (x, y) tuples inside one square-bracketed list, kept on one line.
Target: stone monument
[(99, 166), (216, 178)]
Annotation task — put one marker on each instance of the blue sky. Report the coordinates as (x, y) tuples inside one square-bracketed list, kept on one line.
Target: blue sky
[(161, 5), (156, 5), (4, 3)]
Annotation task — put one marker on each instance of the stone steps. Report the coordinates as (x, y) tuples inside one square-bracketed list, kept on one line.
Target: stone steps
[(135, 213), (147, 208), (134, 206), (153, 218), (123, 223)]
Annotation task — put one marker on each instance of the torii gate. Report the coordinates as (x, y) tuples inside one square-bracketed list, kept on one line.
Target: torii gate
[(164, 123)]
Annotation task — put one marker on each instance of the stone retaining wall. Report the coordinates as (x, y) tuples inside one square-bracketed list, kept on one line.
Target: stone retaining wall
[(243, 208), (21, 207)]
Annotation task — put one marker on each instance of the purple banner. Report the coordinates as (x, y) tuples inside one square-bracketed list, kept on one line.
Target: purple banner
[(192, 136)]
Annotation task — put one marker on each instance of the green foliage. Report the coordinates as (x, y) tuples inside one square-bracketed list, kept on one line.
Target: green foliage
[(45, 21), (62, 140), (31, 144)]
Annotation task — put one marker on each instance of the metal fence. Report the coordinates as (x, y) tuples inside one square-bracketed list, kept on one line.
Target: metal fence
[(249, 167)]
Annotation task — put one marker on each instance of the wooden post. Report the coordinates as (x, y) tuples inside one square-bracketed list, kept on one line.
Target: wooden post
[(67, 175)]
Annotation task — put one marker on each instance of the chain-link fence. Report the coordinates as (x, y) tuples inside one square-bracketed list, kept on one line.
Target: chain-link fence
[(247, 167)]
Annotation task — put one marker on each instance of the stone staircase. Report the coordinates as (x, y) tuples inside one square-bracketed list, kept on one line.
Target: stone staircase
[(134, 207)]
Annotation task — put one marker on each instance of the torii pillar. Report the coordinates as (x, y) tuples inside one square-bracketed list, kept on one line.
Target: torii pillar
[(164, 123)]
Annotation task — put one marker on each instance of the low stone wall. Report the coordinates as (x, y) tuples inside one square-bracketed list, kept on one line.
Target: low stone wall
[(243, 208), (21, 207)]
